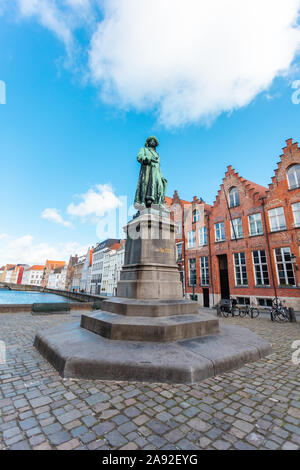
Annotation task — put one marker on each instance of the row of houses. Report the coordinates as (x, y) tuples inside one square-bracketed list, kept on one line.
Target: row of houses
[(246, 244), (97, 272)]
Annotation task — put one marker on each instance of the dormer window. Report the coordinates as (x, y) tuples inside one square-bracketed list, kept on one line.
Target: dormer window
[(234, 199), (293, 176)]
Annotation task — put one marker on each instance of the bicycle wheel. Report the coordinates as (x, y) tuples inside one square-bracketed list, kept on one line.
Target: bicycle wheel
[(278, 316), (224, 313), (254, 312), (243, 312)]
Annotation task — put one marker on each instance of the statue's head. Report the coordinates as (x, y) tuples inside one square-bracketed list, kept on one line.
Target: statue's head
[(152, 142)]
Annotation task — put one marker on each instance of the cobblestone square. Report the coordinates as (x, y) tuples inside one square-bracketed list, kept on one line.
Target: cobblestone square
[(255, 407)]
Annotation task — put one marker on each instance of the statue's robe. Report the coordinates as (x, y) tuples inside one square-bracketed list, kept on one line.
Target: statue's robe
[(151, 188)]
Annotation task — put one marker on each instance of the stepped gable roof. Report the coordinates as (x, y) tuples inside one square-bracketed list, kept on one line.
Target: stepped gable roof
[(291, 150), (175, 199), (255, 190)]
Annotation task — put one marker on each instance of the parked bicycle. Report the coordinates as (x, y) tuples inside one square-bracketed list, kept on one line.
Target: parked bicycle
[(250, 310), (278, 311), (229, 307)]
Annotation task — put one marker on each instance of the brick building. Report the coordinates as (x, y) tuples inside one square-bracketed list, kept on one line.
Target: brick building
[(245, 245)]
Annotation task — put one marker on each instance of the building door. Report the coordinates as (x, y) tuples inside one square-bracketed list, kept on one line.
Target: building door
[(224, 281), (205, 297)]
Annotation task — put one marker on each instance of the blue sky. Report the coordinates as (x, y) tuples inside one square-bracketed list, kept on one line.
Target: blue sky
[(61, 136)]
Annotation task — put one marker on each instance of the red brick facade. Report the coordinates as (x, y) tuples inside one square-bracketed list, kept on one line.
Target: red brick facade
[(256, 260)]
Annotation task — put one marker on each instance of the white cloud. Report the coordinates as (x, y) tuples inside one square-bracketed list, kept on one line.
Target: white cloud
[(49, 16), (188, 61), (95, 202), (192, 60), (25, 250), (54, 216), (2, 236)]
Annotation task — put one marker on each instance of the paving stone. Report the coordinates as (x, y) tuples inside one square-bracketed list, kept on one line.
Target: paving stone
[(254, 407), (199, 425), (59, 437), (115, 439)]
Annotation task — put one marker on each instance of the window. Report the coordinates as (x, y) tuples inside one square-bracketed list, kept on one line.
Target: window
[(284, 265), (196, 216), (277, 219), (204, 271), (179, 251), (240, 269), (202, 236), (234, 199), (178, 228), (192, 271), (220, 232), (236, 228), (243, 300), (296, 212), (293, 175), (264, 302), (191, 239), (255, 224), (260, 268)]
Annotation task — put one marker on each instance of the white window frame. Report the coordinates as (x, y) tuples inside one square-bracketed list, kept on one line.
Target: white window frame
[(204, 269), (203, 236), (194, 259), (234, 198), (296, 213), (235, 228), (178, 228), (177, 245), (220, 230), (256, 220), (284, 263), (275, 215), (239, 266), (196, 215), (191, 239), (260, 265), (294, 171)]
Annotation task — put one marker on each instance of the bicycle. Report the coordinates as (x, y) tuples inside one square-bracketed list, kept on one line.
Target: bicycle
[(250, 310), (278, 312), (228, 307)]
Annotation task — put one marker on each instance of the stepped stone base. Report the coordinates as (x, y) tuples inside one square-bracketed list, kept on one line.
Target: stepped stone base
[(149, 308), (78, 353), (162, 329)]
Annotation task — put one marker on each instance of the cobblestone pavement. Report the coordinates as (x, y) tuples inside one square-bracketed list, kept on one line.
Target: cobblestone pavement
[(257, 406)]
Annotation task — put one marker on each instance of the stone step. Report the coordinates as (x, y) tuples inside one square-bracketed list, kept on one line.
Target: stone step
[(159, 329), (149, 308)]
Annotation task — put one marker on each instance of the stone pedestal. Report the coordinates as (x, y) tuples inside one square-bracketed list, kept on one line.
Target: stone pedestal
[(149, 332), (150, 270)]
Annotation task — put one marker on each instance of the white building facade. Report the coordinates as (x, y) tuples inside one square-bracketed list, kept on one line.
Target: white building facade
[(113, 261), (97, 264)]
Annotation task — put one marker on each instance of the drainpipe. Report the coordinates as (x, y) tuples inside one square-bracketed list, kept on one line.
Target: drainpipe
[(210, 258), (268, 246)]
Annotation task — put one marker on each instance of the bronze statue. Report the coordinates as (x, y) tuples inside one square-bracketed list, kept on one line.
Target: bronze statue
[(151, 188)]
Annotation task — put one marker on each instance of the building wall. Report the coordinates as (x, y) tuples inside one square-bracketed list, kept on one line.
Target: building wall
[(252, 199)]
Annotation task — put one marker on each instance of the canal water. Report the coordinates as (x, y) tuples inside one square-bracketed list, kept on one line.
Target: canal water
[(27, 297)]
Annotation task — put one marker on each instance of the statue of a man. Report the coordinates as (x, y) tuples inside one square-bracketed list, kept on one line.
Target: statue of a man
[(151, 188)]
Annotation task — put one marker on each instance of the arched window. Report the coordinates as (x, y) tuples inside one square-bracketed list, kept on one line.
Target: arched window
[(196, 215), (293, 175), (234, 199)]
